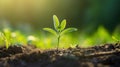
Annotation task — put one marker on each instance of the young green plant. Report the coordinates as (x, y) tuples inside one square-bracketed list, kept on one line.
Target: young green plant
[(5, 39), (114, 38), (59, 29)]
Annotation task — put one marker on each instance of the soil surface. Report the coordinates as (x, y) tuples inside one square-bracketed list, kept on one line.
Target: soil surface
[(107, 55)]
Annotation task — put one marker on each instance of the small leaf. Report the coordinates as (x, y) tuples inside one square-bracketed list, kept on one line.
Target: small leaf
[(2, 36), (5, 39), (63, 25), (68, 30), (50, 30), (56, 22), (114, 38)]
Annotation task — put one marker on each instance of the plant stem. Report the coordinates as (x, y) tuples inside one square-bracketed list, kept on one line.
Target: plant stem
[(58, 42)]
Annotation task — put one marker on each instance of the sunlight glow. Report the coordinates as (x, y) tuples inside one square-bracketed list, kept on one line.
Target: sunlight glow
[(31, 38), (21, 7)]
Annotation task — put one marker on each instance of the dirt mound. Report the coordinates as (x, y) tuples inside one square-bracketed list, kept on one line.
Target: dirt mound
[(107, 55)]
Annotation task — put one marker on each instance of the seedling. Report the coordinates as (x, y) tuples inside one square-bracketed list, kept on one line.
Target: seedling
[(5, 39), (59, 29), (114, 38)]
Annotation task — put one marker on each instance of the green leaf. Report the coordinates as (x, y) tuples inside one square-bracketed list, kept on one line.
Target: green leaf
[(5, 39), (114, 38), (2, 36), (50, 30), (68, 30), (63, 25), (56, 22)]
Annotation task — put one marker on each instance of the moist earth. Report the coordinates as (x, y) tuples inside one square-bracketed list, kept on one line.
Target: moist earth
[(107, 55)]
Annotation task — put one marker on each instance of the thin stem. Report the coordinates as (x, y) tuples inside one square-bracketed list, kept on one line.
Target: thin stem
[(58, 42)]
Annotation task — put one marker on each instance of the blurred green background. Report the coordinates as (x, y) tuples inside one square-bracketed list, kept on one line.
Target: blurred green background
[(97, 21), (33, 15)]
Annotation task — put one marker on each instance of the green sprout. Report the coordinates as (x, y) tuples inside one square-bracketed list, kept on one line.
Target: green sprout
[(59, 29), (5, 39), (114, 38)]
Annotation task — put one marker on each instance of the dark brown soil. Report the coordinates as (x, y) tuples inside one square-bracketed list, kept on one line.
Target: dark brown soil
[(27, 56)]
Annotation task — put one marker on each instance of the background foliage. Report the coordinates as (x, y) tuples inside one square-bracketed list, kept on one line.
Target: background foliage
[(96, 20)]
